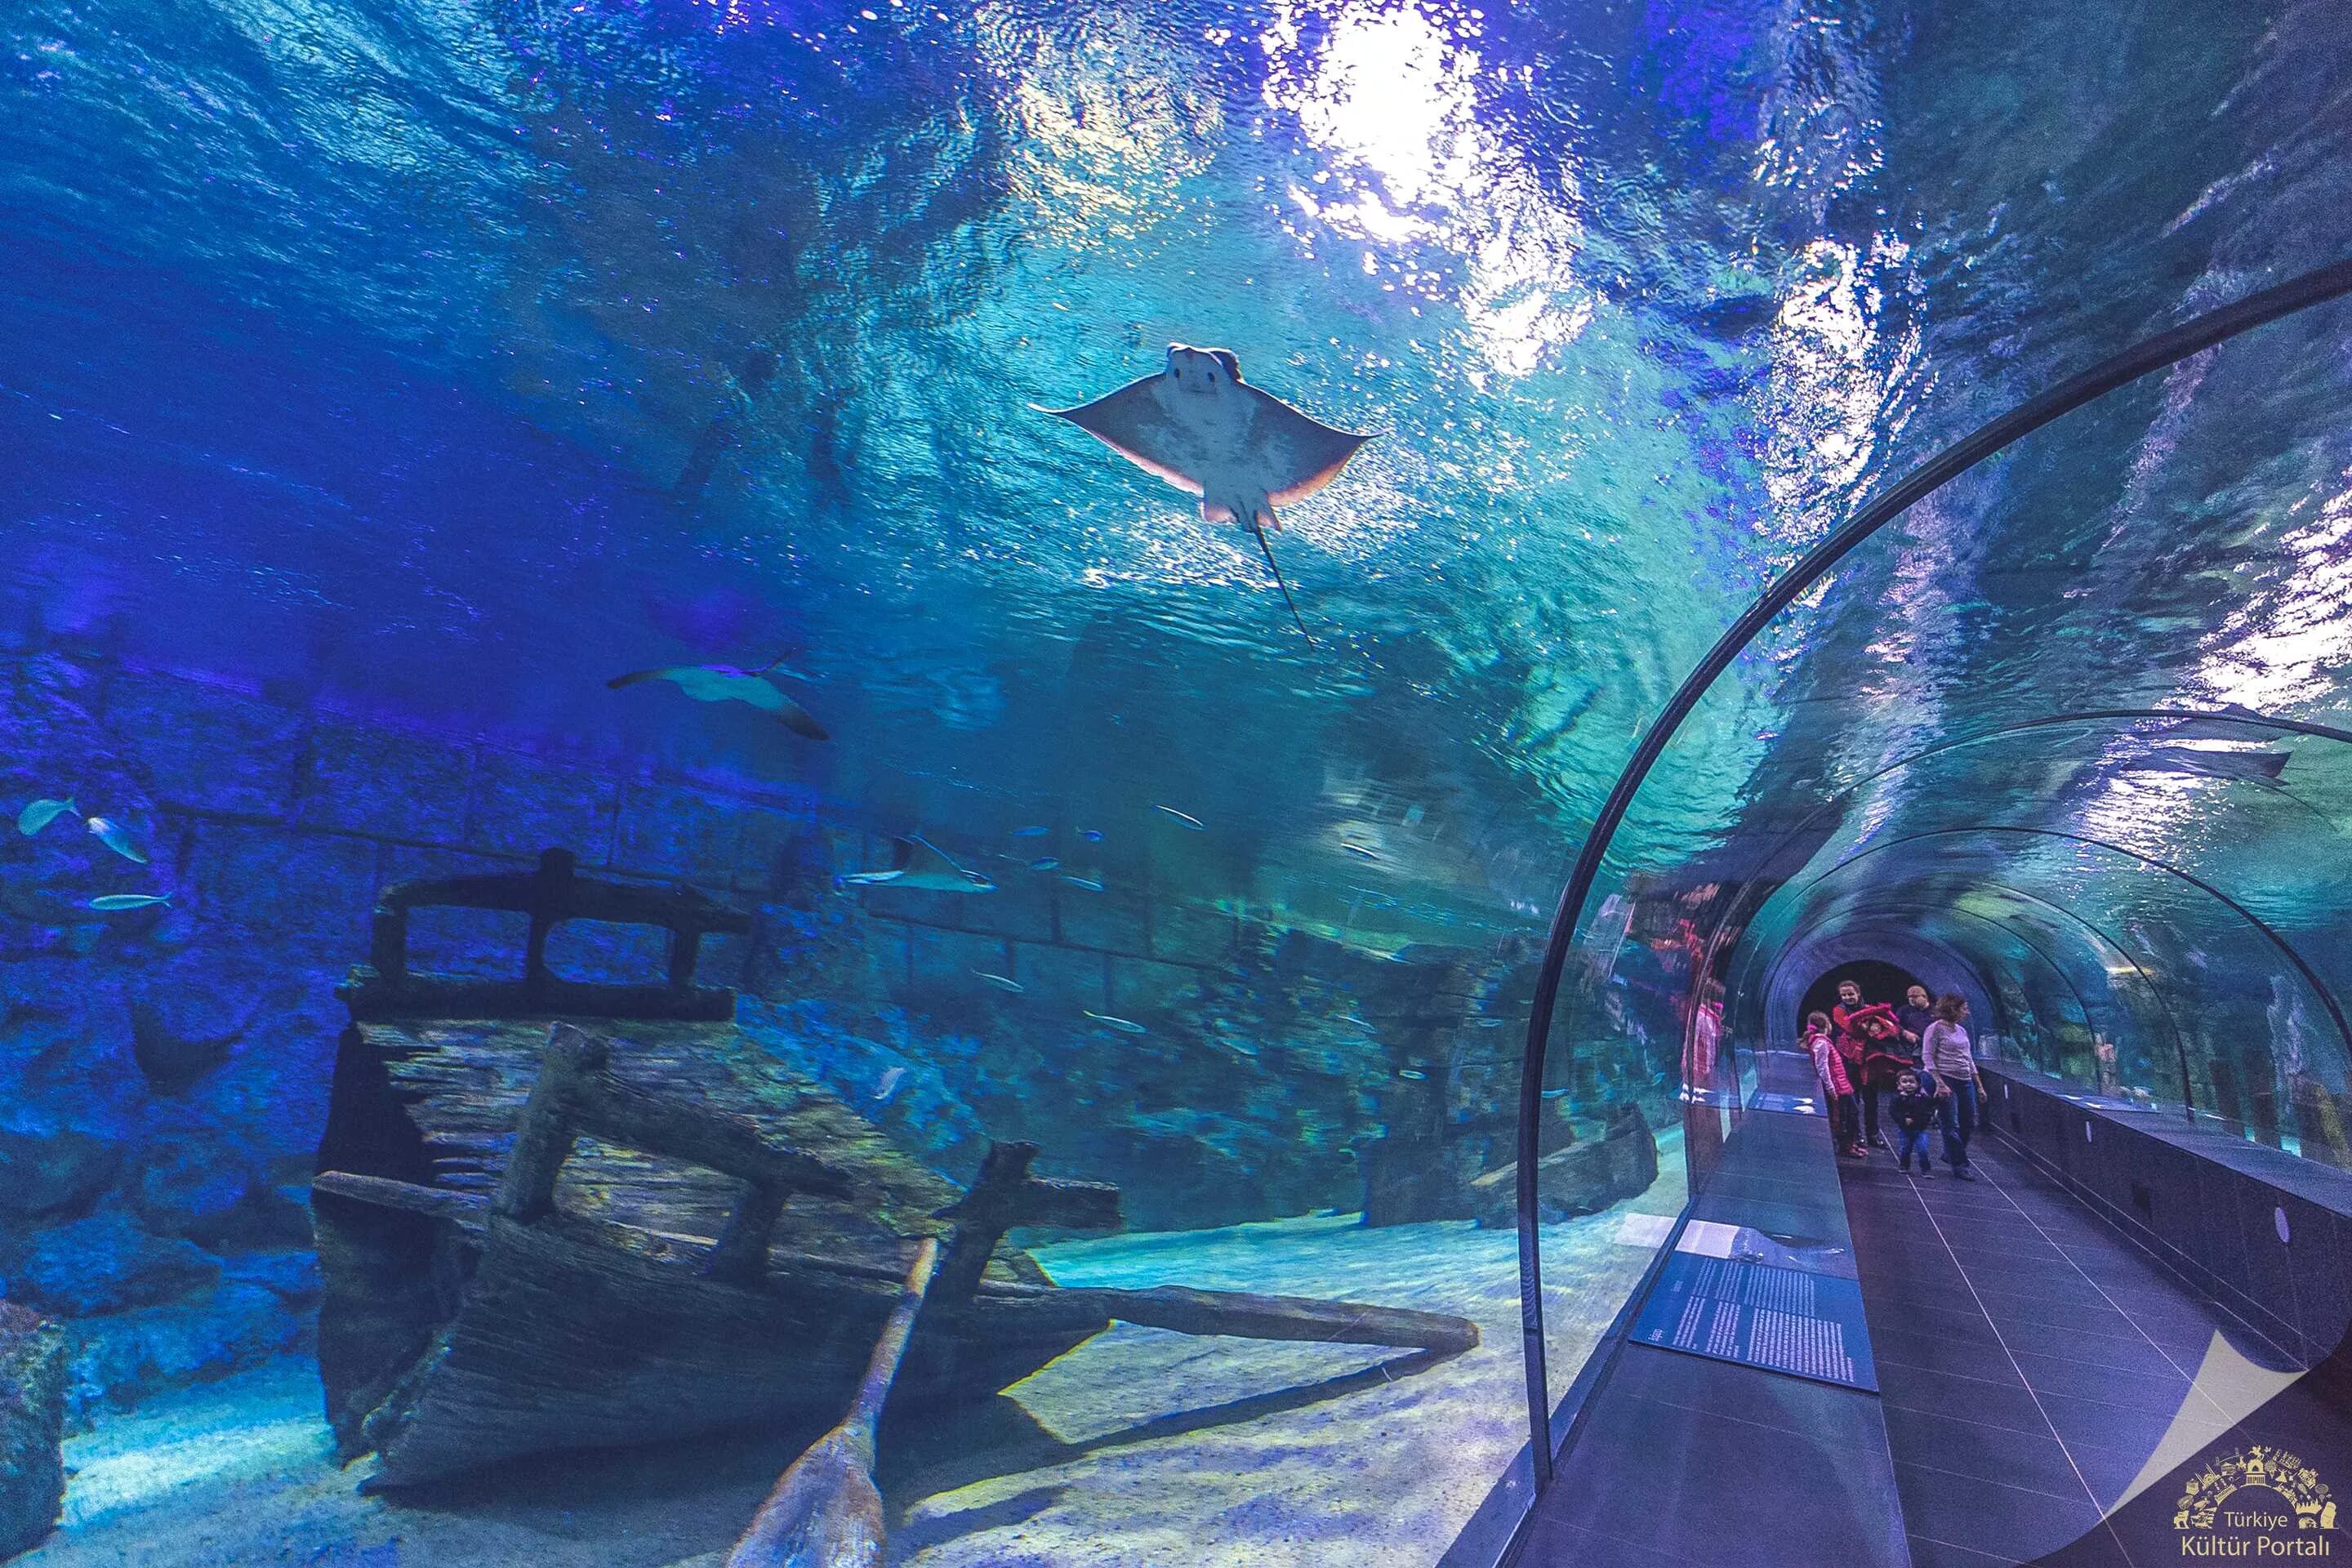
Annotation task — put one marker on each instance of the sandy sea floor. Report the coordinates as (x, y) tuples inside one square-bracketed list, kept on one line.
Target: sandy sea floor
[(1141, 1447)]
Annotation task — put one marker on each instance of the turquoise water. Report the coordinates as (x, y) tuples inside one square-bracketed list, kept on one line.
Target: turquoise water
[(381, 381)]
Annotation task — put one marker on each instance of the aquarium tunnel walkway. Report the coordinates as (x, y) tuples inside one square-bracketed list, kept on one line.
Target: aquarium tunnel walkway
[(2126, 1277)]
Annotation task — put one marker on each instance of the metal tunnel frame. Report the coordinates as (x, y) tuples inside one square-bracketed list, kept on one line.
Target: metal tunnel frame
[(2101, 940), (2285, 948), (2164, 348)]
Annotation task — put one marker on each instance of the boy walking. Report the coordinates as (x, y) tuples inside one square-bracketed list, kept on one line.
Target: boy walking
[(1914, 1113)]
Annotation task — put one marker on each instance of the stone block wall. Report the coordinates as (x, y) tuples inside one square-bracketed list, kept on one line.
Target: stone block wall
[(163, 1072)]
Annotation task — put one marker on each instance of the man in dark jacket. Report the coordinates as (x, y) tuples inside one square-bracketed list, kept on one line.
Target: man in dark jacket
[(1913, 1017)]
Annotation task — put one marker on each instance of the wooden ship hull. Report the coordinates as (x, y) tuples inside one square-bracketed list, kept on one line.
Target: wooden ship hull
[(542, 1231)]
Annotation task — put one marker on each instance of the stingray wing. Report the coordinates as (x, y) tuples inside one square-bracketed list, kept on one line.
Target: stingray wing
[(1305, 454), (937, 867), (1133, 423), (707, 683), (724, 683)]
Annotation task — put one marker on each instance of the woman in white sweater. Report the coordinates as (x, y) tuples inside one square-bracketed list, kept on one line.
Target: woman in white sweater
[(1953, 1061)]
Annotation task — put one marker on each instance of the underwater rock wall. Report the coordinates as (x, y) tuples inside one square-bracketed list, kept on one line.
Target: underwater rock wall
[(163, 1070)]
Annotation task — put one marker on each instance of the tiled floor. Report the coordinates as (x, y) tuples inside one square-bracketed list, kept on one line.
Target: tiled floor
[(2030, 1358)]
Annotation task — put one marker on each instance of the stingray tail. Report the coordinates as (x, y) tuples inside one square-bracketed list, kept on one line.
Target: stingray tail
[(1267, 550)]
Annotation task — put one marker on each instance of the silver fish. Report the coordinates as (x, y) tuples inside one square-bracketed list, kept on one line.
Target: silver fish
[(1366, 851), (917, 863), (1044, 863), (41, 813), (888, 1086), (1124, 1025), (1194, 823), (110, 903), (1089, 883), (1413, 1075), (1001, 981), (725, 683), (1091, 835), (110, 832)]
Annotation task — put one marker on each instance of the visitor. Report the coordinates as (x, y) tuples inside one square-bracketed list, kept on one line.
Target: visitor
[(1911, 1021), (1863, 1028), (1888, 1056), (1837, 1088), (1954, 1064), (1914, 1109)]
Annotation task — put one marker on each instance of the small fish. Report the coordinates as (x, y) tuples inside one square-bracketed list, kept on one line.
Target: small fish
[(1351, 1019), (110, 833), (1554, 1093), (41, 813), (1124, 1025), (1194, 823), (1089, 883), (1031, 832), (1046, 863), (1413, 1075), (1366, 851), (1091, 835), (1001, 981), (888, 1086), (1492, 1023), (110, 903)]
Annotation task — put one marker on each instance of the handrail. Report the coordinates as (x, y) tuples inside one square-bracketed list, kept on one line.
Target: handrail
[(2165, 348)]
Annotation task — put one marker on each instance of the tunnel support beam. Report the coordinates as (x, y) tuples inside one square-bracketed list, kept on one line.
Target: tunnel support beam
[(2165, 348)]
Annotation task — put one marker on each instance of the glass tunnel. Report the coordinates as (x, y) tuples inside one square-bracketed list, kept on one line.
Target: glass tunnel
[(1068, 782)]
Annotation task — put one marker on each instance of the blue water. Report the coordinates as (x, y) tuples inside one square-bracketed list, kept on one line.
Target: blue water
[(425, 365)]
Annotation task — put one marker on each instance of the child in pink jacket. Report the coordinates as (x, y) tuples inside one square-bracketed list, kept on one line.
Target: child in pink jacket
[(1837, 1086)]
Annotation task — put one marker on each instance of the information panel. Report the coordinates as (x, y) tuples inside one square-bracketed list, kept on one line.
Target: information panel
[(1788, 1320)]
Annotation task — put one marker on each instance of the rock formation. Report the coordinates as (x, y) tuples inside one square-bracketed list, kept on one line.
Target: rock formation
[(32, 1424)]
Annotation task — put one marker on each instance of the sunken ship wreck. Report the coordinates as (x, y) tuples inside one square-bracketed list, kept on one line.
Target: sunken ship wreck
[(558, 1215)]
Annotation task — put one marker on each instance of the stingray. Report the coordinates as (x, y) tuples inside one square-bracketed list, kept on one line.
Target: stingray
[(724, 683), (1242, 450), (916, 862)]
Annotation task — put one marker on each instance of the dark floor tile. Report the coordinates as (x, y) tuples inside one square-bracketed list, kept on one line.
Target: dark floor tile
[(2019, 1243), (2099, 1425), (2107, 1469), (1912, 1276), (2122, 1348), (2005, 1306), (2051, 1282), (1958, 1321), (2006, 1405), (2153, 1386), (1555, 1544), (1957, 1203), (1988, 1517), (1980, 1361), (1988, 1452), (1928, 1553)]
